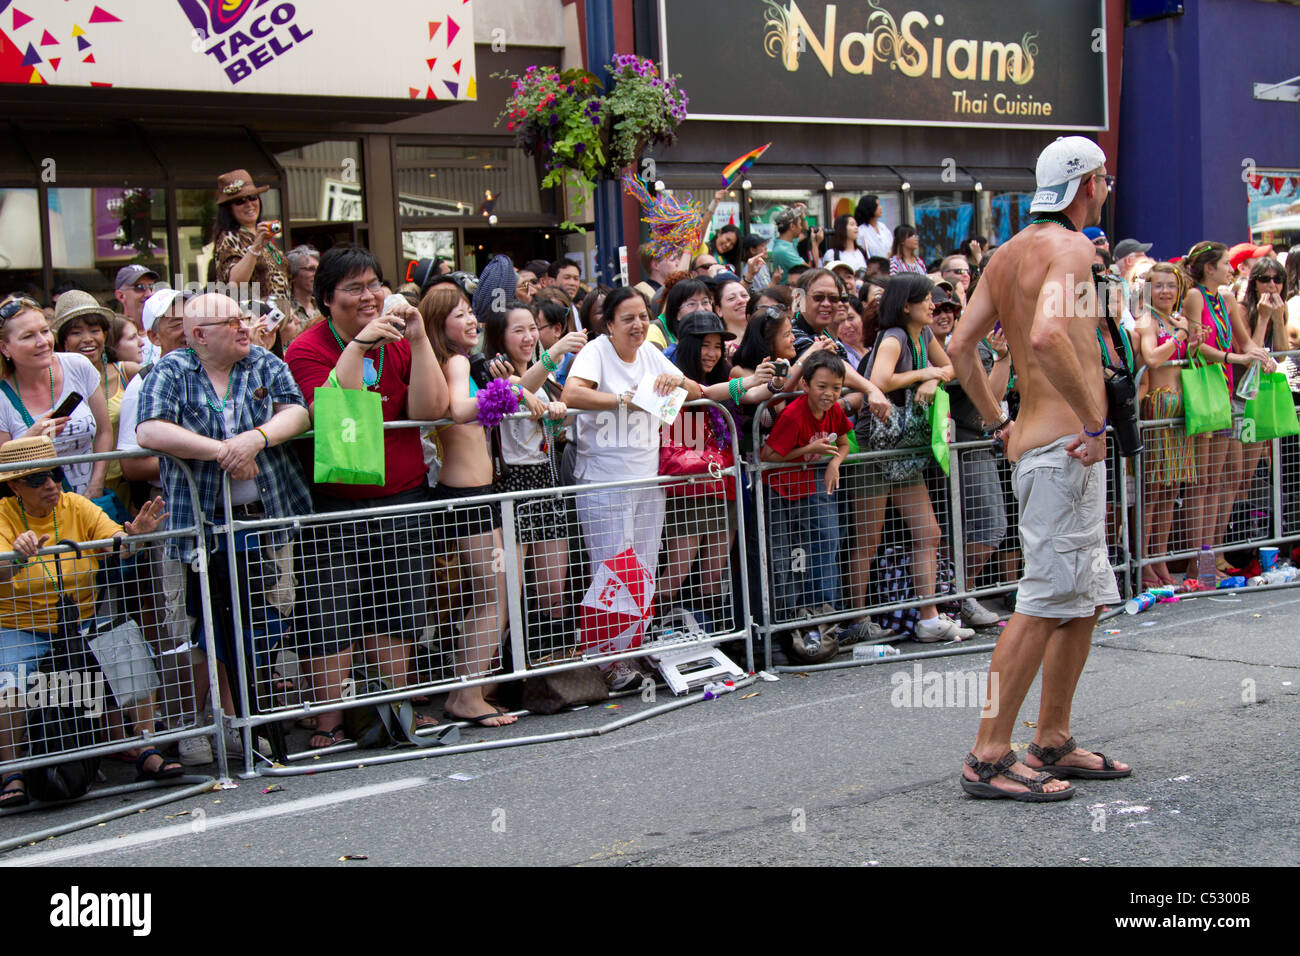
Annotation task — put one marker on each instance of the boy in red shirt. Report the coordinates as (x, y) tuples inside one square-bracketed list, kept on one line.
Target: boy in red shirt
[(805, 514)]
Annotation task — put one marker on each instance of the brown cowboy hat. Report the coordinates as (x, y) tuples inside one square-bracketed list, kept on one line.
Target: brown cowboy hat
[(19, 450), (75, 303), (235, 185)]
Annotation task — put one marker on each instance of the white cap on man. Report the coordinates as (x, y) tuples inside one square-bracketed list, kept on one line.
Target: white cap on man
[(1061, 167), (156, 305)]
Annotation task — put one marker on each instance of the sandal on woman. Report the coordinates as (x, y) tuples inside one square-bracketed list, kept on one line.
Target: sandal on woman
[(11, 796), (334, 736), (987, 771), (1050, 755), (166, 768)]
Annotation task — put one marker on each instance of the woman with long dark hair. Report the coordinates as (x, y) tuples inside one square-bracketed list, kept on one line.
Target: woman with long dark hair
[(903, 253), (725, 246), (843, 245), (244, 249), (1265, 306), (527, 449), (696, 522), (908, 364), (1226, 341)]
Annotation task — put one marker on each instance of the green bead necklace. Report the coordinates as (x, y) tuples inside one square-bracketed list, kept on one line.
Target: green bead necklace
[(343, 345)]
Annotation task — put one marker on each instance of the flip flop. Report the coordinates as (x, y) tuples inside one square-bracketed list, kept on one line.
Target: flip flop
[(479, 721), (987, 771), (15, 797), (1050, 755)]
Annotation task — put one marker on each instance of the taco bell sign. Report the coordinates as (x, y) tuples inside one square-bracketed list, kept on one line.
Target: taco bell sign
[(415, 51), (246, 35)]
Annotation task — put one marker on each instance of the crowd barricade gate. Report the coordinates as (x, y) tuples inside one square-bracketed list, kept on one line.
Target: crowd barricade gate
[(469, 558), (951, 502), (1271, 510), (124, 664)]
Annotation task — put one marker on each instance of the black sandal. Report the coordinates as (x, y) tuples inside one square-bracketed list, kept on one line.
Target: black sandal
[(166, 770), (336, 736), (987, 771), (1050, 755), (13, 798)]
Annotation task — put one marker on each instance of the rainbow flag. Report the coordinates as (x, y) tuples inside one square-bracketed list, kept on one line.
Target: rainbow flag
[(740, 165)]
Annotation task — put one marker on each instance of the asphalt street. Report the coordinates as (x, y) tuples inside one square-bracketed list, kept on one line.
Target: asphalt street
[(1201, 697)]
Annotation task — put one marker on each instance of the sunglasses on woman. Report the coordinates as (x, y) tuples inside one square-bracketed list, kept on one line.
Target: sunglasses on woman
[(14, 306), (1277, 280), (39, 479), (243, 200)]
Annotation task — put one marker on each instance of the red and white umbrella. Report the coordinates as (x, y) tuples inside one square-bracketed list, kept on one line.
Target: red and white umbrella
[(618, 605)]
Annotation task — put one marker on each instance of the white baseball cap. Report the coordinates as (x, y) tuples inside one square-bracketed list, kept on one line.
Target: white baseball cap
[(156, 305), (1061, 167)]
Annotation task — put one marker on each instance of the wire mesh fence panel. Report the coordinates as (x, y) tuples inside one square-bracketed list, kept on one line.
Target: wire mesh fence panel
[(94, 652), (989, 533)]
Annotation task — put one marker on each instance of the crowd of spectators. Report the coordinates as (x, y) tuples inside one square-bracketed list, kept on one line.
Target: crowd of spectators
[(854, 327)]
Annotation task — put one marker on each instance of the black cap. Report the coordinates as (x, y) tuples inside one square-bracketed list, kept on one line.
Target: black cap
[(702, 323)]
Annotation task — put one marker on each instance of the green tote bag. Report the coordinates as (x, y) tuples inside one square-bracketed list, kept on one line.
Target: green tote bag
[(349, 426), (1206, 405), (1271, 413), (939, 409)]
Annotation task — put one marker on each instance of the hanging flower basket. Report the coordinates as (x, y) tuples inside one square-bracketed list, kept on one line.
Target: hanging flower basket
[(581, 132)]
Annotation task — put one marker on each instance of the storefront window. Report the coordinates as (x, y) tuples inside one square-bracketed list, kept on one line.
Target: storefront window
[(20, 243), (323, 182), (94, 232), (467, 181), (766, 203), (1010, 214), (428, 244), (1273, 207), (942, 220)]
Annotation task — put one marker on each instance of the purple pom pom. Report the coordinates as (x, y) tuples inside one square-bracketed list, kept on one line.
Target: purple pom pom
[(495, 402)]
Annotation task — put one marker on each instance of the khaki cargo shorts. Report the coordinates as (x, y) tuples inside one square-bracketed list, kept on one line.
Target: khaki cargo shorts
[(1062, 534)]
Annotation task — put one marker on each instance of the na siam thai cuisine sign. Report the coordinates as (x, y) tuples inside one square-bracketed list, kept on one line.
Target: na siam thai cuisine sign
[(1004, 63)]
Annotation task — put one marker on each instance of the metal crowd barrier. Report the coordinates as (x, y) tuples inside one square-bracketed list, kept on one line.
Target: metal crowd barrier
[(464, 587), (464, 597), (1257, 505), (971, 506), (100, 656)]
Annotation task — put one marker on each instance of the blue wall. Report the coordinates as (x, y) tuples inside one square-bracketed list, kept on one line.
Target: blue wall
[(1189, 117)]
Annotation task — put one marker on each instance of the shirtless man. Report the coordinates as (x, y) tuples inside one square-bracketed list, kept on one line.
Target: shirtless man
[(1039, 286)]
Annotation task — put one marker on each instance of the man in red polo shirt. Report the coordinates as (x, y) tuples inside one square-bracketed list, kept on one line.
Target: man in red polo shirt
[(366, 581)]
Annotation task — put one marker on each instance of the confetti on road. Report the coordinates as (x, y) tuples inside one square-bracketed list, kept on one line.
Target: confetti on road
[(747, 696), (461, 776)]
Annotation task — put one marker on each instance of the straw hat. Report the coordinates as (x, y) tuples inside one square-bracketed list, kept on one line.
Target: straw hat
[(236, 184), (73, 304), (19, 450)]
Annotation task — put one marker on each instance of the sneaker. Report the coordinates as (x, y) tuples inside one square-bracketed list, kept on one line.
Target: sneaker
[(941, 629), (974, 614), (195, 751), (866, 631), (621, 677), (235, 743)]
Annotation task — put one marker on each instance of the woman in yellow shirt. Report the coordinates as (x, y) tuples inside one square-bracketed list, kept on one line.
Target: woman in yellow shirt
[(41, 513)]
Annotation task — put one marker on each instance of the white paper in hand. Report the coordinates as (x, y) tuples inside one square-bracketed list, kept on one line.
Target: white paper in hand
[(663, 407)]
